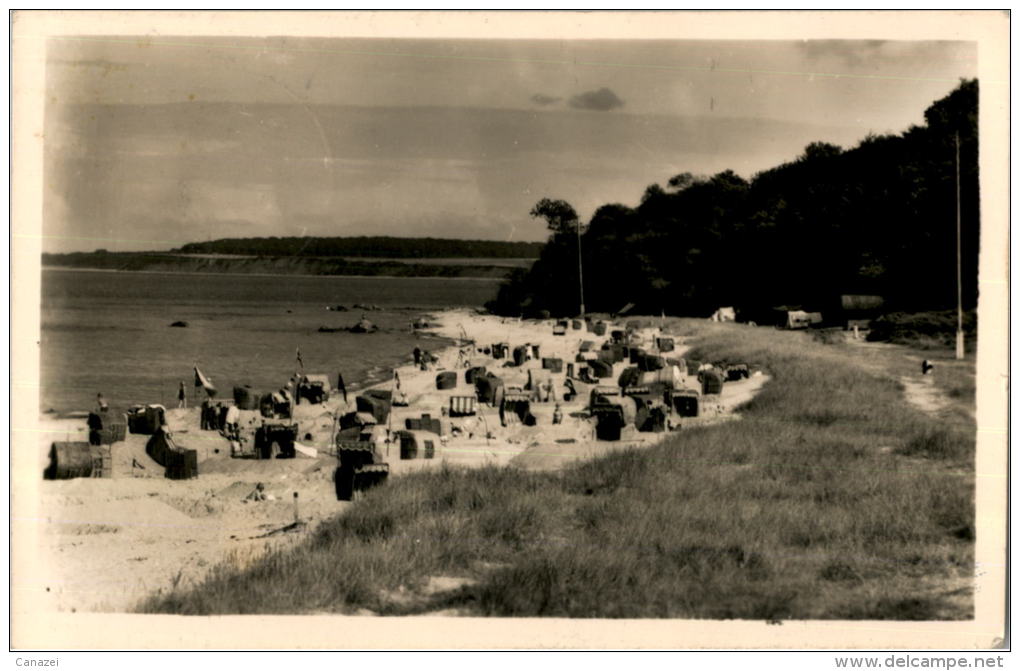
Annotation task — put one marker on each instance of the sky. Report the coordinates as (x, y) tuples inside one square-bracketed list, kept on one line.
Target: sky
[(152, 142)]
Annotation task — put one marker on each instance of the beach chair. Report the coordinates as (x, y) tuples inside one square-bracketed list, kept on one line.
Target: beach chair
[(462, 406)]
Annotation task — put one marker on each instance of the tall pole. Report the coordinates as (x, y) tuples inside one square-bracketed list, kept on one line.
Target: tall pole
[(580, 272), (959, 274)]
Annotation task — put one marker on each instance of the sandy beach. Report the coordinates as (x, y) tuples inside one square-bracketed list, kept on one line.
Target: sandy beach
[(103, 544)]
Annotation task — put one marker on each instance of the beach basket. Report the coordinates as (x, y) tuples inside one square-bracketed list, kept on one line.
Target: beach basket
[(737, 371), (650, 362), (711, 382), (181, 464), (516, 409), (684, 402), (69, 460), (609, 422), (378, 407), (664, 344), (343, 481), (601, 368), (446, 380), (599, 328), (576, 324), (462, 406), (424, 423), (280, 435), (370, 475), (112, 433), (415, 443), (553, 365), (352, 454), (489, 389), (629, 377), (471, 374), (245, 398), (520, 355)]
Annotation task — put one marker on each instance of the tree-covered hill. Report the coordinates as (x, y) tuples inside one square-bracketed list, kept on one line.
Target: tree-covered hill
[(370, 247), (879, 218)]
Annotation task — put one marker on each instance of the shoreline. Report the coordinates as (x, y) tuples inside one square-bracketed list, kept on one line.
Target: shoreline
[(347, 277)]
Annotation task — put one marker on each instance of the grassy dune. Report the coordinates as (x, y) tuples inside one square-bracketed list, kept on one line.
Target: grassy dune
[(832, 498)]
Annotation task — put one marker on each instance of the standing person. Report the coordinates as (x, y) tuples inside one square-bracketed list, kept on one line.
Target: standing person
[(101, 403), (181, 396), (95, 424)]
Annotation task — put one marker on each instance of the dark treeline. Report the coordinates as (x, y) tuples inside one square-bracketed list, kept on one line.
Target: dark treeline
[(376, 247), (876, 219)]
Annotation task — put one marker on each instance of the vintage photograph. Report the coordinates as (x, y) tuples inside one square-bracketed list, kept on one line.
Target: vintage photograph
[(589, 327)]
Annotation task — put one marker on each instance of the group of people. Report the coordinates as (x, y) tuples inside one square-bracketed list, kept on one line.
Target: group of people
[(424, 359)]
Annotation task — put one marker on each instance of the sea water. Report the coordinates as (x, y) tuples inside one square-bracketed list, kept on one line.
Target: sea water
[(109, 332)]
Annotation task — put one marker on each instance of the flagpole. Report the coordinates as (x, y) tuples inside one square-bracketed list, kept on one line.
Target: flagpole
[(959, 274), (580, 272), (389, 415)]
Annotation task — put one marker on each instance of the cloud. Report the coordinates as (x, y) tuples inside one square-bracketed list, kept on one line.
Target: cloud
[(543, 99), (602, 100)]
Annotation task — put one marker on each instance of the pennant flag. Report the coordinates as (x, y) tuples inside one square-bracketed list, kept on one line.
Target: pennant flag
[(341, 386), (204, 382), (300, 362)]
